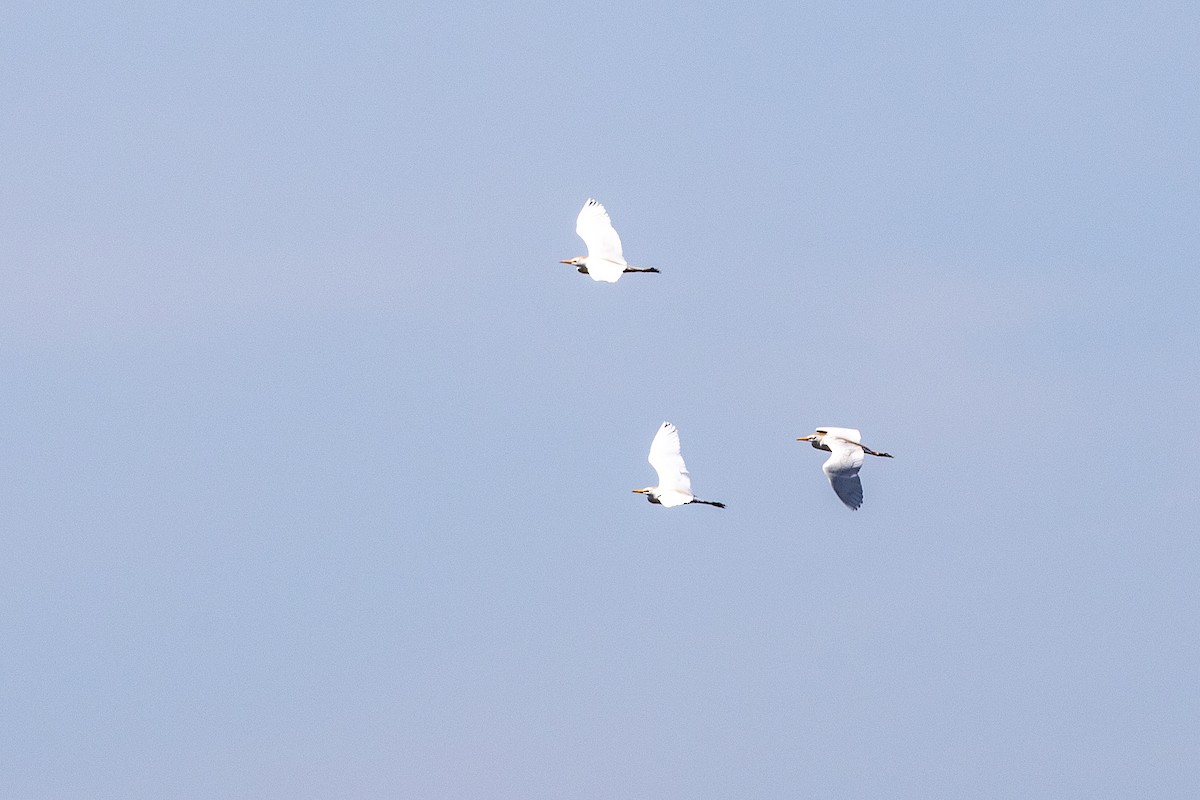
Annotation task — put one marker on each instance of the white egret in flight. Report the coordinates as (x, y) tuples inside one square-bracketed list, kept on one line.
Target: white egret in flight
[(604, 261), (846, 449), (674, 484)]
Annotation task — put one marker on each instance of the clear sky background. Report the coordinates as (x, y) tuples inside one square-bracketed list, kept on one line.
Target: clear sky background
[(315, 463)]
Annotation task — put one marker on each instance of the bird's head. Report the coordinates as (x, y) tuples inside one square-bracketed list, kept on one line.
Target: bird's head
[(649, 492), (817, 439), (577, 261)]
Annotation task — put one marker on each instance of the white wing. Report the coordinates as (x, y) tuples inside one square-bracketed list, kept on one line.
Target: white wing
[(848, 489), (667, 461), (845, 460), (849, 434), (597, 232)]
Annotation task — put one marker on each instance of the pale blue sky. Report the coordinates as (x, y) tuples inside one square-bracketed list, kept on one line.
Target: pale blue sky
[(315, 468)]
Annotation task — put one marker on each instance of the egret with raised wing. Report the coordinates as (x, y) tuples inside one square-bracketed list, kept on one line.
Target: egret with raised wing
[(605, 260), (674, 484), (846, 458)]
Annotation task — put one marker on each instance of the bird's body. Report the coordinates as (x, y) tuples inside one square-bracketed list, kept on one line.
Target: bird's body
[(674, 483), (605, 260), (846, 455)]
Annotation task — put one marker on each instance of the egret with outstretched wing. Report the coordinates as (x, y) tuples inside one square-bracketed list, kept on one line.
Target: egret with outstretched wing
[(605, 260), (674, 484), (846, 458)]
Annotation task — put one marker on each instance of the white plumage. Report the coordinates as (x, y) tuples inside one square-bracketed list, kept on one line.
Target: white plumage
[(605, 260), (674, 483), (846, 455)]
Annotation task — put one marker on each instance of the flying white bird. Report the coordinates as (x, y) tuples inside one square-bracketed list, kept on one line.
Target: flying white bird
[(842, 466), (604, 261), (674, 484)]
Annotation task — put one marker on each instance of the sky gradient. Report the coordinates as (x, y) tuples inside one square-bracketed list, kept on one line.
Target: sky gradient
[(316, 464)]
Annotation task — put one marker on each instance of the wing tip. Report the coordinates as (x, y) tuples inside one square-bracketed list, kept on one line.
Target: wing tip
[(848, 490)]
